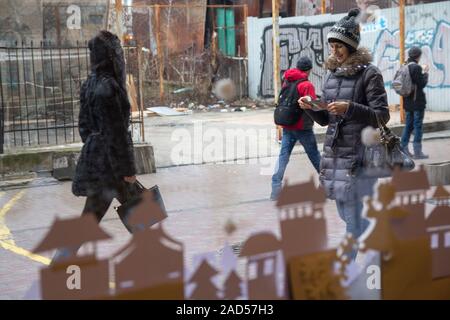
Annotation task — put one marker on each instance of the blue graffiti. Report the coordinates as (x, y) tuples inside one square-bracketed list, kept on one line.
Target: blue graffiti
[(436, 52), (419, 37), (378, 25)]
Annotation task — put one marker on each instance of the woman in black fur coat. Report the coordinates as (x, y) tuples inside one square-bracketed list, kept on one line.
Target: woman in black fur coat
[(105, 169)]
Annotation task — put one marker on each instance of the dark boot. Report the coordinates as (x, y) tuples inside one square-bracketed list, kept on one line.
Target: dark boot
[(418, 154)]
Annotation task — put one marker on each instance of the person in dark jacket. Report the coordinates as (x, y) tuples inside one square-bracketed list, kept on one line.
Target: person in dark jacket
[(353, 96), (302, 131), (105, 169), (415, 104)]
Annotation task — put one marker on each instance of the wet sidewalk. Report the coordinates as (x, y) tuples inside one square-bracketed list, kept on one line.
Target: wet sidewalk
[(206, 131)]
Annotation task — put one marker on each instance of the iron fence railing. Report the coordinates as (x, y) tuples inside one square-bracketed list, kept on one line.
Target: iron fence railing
[(39, 88)]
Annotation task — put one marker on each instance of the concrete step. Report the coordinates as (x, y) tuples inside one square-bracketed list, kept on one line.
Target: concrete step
[(61, 161)]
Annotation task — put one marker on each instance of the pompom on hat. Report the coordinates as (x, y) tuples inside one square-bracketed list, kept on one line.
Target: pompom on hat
[(347, 30)]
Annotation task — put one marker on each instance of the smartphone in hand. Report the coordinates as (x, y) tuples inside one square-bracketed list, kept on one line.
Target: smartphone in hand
[(316, 105)]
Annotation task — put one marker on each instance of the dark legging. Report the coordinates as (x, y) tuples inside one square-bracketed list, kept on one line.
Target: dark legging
[(99, 203)]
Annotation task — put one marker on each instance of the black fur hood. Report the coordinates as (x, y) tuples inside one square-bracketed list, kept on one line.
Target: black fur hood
[(107, 56)]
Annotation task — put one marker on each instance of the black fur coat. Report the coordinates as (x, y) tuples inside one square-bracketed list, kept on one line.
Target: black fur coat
[(107, 154)]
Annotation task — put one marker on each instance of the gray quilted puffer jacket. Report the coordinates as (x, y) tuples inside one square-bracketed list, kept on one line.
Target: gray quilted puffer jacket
[(362, 83)]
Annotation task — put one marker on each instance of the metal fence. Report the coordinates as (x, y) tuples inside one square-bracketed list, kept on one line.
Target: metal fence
[(39, 87)]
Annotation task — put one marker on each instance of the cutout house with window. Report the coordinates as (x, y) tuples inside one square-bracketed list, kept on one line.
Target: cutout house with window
[(412, 269), (150, 266), (302, 219), (90, 276), (438, 228), (262, 253), (411, 192)]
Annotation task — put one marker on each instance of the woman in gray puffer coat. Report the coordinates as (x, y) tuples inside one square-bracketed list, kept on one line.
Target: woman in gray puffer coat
[(354, 95)]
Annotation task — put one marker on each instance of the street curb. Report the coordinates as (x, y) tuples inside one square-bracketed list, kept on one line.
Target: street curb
[(320, 137)]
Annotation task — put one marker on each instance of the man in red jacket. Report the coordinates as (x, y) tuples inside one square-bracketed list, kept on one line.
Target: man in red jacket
[(302, 131)]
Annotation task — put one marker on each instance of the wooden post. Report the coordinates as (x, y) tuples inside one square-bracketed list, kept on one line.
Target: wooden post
[(402, 52), (324, 6), (119, 20), (108, 14), (246, 29), (276, 56), (141, 92), (160, 52), (276, 48)]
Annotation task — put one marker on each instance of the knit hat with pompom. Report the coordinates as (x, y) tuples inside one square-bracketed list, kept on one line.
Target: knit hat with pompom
[(347, 30)]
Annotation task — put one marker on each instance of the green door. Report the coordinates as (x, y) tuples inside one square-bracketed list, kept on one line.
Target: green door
[(226, 31)]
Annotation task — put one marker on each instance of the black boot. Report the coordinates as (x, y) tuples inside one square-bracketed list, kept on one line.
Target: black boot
[(418, 154)]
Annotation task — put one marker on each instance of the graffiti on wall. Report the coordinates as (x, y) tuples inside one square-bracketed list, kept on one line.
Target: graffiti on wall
[(435, 44), (295, 41)]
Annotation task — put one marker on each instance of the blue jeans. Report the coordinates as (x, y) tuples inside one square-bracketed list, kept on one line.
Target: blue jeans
[(290, 138), (350, 209), (414, 121)]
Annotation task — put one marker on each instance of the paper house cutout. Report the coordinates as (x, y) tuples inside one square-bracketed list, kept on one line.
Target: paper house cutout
[(408, 273), (261, 251), (441, 196), (72, 233), (302, 221), (151, 261), (82, 277), (411, 190)]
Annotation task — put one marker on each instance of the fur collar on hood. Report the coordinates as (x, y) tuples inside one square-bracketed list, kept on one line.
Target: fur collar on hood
[(356, 62)]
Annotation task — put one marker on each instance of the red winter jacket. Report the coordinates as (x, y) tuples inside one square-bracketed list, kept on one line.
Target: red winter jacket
[(304, 88)]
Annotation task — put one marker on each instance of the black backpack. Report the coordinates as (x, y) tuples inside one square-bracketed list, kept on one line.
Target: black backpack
[(287, 111)]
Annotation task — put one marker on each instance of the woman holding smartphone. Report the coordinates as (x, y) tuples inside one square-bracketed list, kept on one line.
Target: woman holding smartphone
[(353, 96)]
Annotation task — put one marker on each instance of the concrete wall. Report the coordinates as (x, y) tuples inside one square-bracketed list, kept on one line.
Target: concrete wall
[(20, 21), (428, 26), (69, 21), (63, 21)]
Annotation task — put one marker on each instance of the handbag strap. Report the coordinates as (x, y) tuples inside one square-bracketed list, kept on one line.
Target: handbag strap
[(381, 124), (140, 185)]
